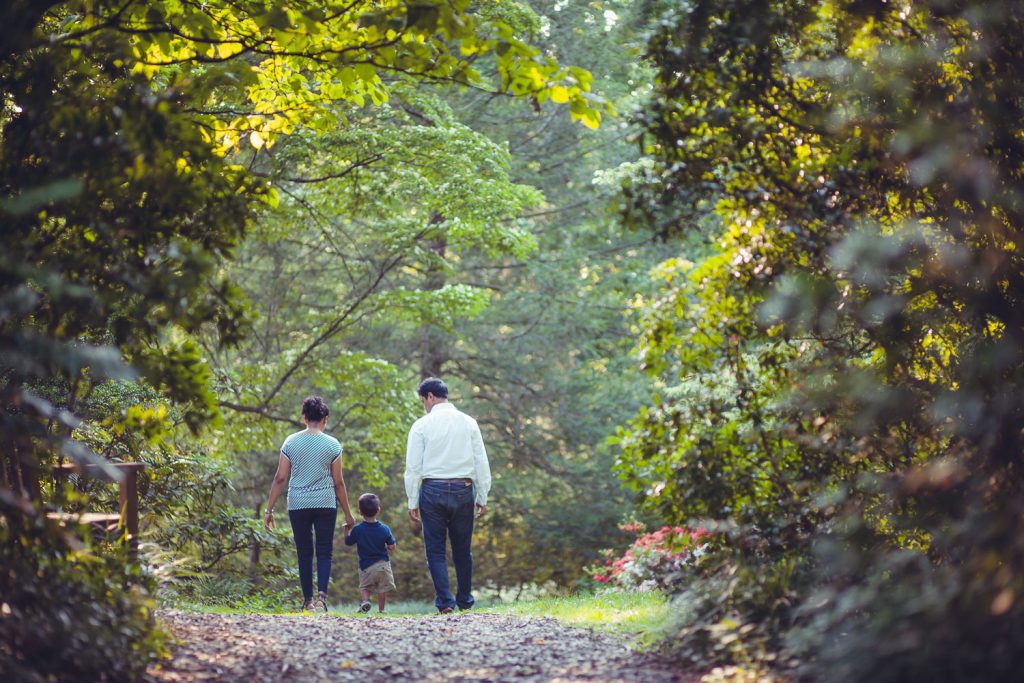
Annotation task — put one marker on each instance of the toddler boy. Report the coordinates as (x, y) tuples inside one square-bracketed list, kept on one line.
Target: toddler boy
[(373, 540)]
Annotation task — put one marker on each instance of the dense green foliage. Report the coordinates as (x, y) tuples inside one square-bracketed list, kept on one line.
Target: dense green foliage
[(123, 199), (71, 614), (840, 348)]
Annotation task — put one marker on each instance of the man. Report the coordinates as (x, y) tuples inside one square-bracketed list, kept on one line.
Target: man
[(447, 477)]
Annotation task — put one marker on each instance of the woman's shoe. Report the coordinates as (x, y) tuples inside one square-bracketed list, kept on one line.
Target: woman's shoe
[(321, 603)]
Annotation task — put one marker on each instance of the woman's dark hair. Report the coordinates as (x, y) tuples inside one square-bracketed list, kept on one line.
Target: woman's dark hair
[(369, 505), (433, 385), (314, 409)]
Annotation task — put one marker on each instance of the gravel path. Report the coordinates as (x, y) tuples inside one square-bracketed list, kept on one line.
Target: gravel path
[(460, 647)]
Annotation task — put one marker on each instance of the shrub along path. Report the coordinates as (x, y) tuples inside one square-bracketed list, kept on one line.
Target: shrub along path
[(458, 647)]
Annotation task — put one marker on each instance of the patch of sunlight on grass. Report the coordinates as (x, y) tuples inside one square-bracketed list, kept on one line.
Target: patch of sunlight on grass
[(622, 613)]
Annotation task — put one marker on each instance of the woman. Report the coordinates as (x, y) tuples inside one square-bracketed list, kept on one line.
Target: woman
[(310, 463)]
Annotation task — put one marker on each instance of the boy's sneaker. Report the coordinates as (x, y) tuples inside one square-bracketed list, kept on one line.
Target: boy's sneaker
[(365, 607)]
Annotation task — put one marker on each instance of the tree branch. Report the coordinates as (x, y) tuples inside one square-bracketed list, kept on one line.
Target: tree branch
[(329, 176), (258, 410)]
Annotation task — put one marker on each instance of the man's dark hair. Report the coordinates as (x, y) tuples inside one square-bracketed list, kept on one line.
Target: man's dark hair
[(314, 409), (432, 385), (369, 505)]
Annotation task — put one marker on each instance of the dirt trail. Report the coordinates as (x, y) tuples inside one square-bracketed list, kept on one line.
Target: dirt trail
[(459, 647)]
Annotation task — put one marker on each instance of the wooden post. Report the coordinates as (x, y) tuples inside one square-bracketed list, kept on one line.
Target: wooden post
[(130, 503)]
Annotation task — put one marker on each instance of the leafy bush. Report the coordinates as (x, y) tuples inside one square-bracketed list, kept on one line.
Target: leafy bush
[(69, 614), (732, 598), (892, 613), (659, 559), (223, 555), (188, 510), (735, 611), (233, 592)]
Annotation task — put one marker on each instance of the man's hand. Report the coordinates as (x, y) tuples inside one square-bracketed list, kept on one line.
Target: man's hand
[(481, 510), (414, 515), (268, 521)]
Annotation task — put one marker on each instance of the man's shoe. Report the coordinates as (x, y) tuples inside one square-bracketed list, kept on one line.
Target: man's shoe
[(365, 607), (445, 610)]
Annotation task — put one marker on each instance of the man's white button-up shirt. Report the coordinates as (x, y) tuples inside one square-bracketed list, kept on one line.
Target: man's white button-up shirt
[(446, 444)]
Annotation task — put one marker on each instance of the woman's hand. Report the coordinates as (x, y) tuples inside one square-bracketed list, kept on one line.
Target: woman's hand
[(284, 472), (350, 521)]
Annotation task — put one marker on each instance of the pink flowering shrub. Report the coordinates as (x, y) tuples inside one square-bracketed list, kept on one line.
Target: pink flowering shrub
[(656, 560)]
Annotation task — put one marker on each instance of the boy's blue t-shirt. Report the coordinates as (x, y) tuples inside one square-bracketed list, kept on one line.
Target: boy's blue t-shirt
[(371, 539)]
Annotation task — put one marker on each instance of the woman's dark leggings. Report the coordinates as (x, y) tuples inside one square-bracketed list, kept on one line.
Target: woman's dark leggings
[(304, 523)]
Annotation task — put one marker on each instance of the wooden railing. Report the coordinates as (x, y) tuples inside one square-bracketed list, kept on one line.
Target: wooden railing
[(128, 516)]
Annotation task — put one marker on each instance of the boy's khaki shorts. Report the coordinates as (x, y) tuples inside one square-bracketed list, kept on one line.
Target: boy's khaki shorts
[(377, 578)]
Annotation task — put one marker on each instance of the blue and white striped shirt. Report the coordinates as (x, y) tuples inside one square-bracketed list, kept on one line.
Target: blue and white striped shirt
[(311, 455)]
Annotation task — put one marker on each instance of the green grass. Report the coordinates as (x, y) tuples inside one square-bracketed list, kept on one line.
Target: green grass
[(624, 614), (628, 615)]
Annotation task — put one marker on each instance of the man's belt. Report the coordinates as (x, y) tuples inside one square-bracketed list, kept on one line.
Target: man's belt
[(457, 480)]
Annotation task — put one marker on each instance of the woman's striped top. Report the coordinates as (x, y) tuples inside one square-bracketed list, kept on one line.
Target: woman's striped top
[(311, 455)]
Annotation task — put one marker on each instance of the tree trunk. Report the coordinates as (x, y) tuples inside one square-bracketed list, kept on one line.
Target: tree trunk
[(254, 551), (434, 342)]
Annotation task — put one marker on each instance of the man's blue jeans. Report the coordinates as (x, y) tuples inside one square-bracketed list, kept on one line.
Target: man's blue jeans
[(304, 522), (447, 510)]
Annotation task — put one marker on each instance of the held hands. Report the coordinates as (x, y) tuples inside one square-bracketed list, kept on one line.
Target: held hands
[(350, 522)]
